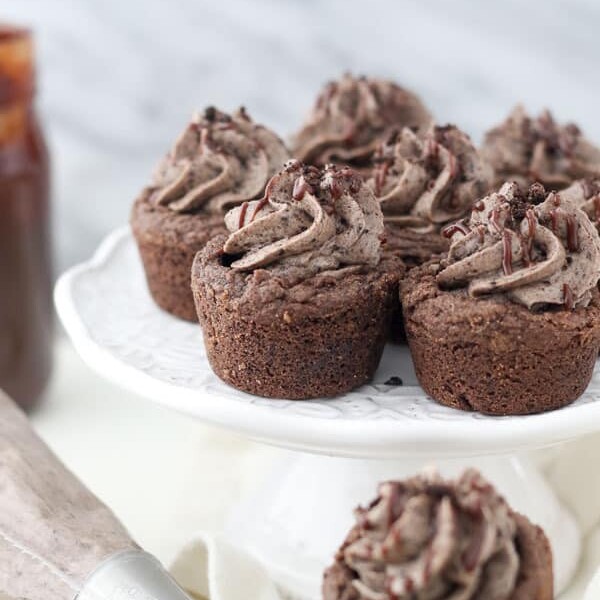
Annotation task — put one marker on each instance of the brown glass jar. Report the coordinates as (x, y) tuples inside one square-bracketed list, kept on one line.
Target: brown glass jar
[(25, 264)]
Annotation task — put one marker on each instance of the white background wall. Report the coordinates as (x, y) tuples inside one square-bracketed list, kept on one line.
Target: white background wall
[(119, 78)]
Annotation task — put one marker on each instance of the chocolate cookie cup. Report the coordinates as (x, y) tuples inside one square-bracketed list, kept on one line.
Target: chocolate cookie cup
[(529, 150), (352, 116), (218, 162), (425, 183), (509, 322), (427, 537), (296, 303)]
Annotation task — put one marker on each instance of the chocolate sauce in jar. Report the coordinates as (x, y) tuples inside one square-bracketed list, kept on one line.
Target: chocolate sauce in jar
[(25, 264)]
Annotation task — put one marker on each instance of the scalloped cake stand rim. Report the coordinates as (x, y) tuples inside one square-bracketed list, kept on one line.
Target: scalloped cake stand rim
[(361, 438)]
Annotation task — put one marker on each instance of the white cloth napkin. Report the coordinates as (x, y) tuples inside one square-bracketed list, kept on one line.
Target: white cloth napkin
[(210, 567), (574, 475)]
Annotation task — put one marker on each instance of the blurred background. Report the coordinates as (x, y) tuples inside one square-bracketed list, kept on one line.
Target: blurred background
[(119, 78)]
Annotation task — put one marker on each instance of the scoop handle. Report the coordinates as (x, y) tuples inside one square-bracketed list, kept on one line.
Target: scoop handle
[(131, 575)]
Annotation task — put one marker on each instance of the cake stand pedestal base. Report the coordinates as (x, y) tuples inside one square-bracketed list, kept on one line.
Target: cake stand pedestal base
[(295, 523)]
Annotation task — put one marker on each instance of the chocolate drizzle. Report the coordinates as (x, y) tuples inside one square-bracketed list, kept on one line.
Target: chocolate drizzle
[(572, 235), (451, 539), (300, 188), (472, 553), (450, 230), (571, 228), (243, 211), (308, 221), (531, 223), (336, 189), (258, 207), (381, 172), (507, 252), (528, 252), (352, 116), (586, 195), (527, 149), (427, 183), (569, 301), (219, 161), (494, 217)]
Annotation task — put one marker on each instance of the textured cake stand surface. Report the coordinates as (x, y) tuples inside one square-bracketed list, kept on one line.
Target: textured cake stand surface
[(297, 520), (105, 306)]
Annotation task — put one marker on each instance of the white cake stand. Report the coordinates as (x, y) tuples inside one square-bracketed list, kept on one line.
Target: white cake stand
[(377, 432)]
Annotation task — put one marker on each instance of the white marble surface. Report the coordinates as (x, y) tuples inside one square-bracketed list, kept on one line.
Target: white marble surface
[(119, 78)]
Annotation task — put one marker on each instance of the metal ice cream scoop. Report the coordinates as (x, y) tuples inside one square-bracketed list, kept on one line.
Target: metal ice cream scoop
[(131, 575)]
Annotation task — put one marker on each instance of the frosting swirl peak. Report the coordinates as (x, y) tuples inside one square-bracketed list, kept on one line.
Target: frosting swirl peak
[(538, 249), (433, 539), (527, 149), (351, 117), (423, 183), (309, 220), (219, 161)]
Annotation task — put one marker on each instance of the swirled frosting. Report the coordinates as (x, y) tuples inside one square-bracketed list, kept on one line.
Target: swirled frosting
[(219, 161), (585, 194), (309, 220), (424, 183), (351, 117), (526, 150), (538, 249), (432, 539)]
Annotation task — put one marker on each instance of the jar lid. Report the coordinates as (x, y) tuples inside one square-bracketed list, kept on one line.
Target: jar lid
[(16, 64)]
